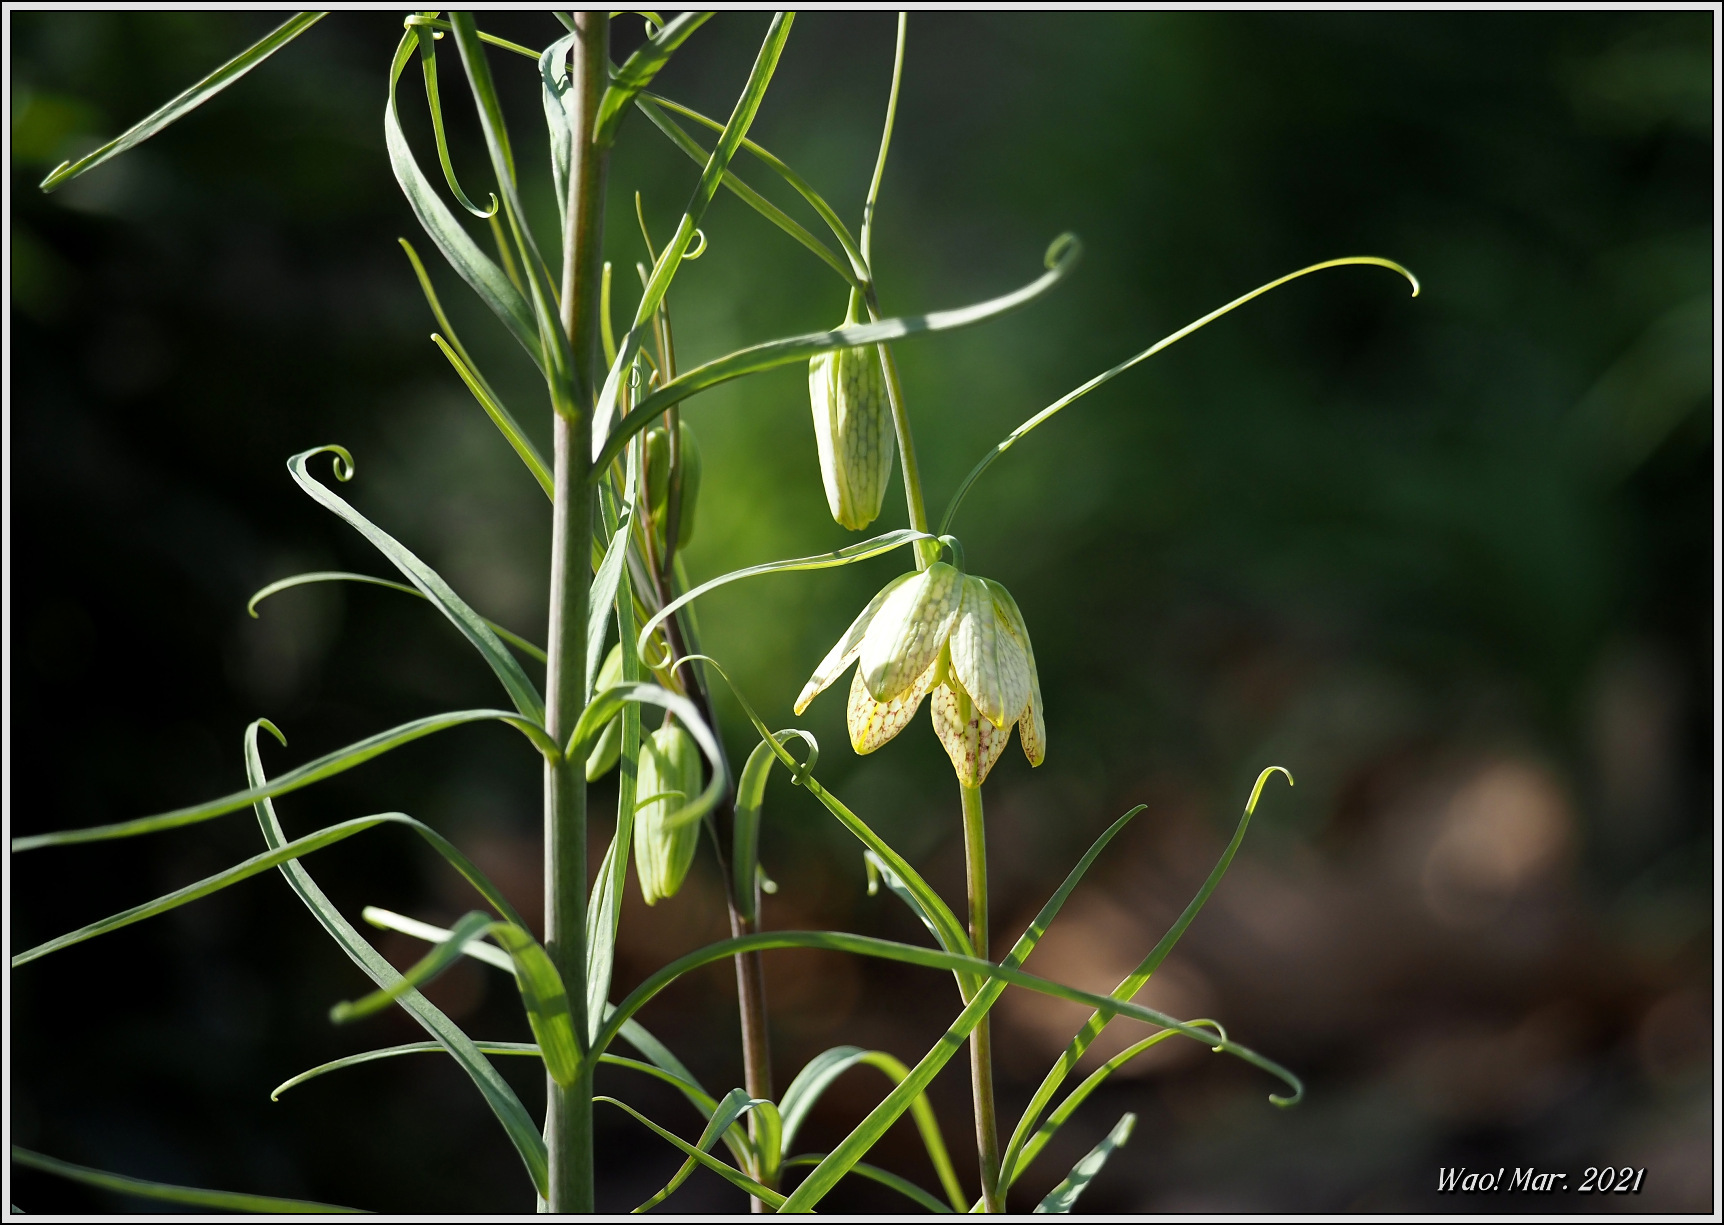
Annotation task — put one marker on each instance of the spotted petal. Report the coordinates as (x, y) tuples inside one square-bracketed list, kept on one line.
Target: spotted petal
[(845, 650), (973, 744), (988, 654), (873, 723), (1032, 729), (909, 630)]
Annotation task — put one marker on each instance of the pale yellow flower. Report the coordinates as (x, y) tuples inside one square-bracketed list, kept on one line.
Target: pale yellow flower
[(961, 637), (852, 432)]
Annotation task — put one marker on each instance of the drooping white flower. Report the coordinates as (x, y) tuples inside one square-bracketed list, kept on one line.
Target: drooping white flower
[(955, 634)]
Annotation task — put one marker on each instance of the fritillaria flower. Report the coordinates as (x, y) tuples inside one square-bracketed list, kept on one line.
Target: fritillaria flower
[(669, 778), (955, 635)]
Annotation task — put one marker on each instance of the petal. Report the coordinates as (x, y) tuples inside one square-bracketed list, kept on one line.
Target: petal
[(973, 745), (988, 655), (909, 630), (1032, 729), (844, 651), (873, 723)]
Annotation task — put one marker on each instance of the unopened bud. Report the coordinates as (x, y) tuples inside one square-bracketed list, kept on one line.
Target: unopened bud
[(658, 481), (852, 431), (668, 780)]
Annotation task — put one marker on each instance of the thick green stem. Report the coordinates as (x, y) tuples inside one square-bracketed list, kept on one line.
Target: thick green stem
[(981, 1047), (569, 1110)]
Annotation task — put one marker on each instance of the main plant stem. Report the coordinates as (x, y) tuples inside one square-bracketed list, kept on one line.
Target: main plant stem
[(981, 1045), (569, 1110)]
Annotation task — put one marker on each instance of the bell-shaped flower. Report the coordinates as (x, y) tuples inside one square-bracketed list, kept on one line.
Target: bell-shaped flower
[(668, 780), (955, 634), (852, 431)]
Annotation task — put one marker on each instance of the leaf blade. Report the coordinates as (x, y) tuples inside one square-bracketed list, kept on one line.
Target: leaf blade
[(231, 1201), (1062, 1197)]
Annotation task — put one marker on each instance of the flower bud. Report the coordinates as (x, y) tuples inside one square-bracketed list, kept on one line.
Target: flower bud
[(852, 431), (658, 481), (668, 780)]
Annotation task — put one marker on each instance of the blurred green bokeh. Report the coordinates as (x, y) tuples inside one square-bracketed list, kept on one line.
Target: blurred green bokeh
[(1448, 559)]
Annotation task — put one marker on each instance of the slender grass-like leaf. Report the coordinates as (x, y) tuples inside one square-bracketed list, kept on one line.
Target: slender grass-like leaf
[(881, 872), (472, 926), (1078, 1095), (555, 82), (1062, 255), (428, 62), (933, 959), (732, 1176), (472, 626), (501, 417), (861, 551), (669, 260), (423, 21), (541, 290), (1011, 439), (1133, 982), (638, 71), (602, 594), (759, 203), (952, 932), (1064, 1196), (262, 863), (389, 1052), (190, 100), (903, 1186), (607, 703), (221, 1201), (475, 948), (732, 1107), (292, 780), (745, 840), (819, 1073), (474, 266), (521, 644), (517, 1124), (835, 223), (868, 1132)]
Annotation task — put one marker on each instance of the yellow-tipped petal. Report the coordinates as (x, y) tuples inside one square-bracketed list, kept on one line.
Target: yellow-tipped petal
[(1032, 727), (972, 743), (845, 650), (873, 723), (907, 633), (988, 654)]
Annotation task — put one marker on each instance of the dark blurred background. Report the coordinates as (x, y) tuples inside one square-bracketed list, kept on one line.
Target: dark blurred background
[(1447, 559)]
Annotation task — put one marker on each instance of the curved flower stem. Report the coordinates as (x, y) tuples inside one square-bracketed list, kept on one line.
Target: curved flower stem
[(981, 1045)]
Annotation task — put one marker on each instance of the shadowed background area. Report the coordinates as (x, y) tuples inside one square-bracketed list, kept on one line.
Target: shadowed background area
[(1447, 559)]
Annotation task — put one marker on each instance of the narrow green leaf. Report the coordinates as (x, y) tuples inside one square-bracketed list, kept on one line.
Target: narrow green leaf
[(501, 417), (869, 1131), (1133, 982), (934, 959), (861, 551), (226, 1201), (463, 254), (759, 203), (734, 1177), (638, 71), (423, 21), (472, 926), (327, 836), (1062, 1197), (1062, 255), (428, 62), (903, 1186), (517, 1124), (953, 933), (1078, 1095), (732, 1107), (475, 948), (555, 82), (670, 259), (546, 1000), (190, 100), (1011, 439), (602, 595), (819, 1073), (879, 870), (608, 702), (389, 1052), (745, 843), (346, 576), (472, 626), (292, 780)]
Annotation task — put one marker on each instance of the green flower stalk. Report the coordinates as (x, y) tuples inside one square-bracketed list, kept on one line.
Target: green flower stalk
[(853, 428), (669, 779)]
